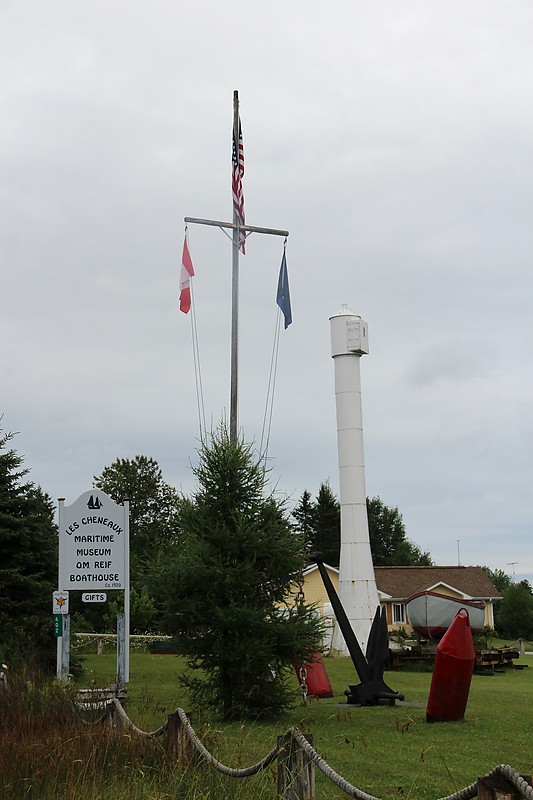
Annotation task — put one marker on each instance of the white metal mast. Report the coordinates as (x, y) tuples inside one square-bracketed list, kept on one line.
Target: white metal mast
[(237, 228)]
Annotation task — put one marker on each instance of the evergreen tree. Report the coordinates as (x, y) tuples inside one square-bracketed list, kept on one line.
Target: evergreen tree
[(304, 514), (28, 566), (223, 594), (319, 522)]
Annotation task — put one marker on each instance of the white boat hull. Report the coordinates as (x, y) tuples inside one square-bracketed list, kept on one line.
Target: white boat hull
[(431, 613)]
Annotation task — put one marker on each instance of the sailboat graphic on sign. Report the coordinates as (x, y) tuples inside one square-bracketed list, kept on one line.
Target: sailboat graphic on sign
[(94, 503)]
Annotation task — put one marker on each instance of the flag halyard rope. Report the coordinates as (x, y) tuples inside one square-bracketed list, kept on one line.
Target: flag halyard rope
[(284, 309), (269, 402)]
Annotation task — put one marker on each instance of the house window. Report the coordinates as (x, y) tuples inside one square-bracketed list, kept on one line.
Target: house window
[(398, 612)]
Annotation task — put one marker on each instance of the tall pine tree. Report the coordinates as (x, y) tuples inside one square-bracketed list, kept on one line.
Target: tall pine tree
[(327, 522), (304, 514), (28, 564), (319, 522), (223, 593)]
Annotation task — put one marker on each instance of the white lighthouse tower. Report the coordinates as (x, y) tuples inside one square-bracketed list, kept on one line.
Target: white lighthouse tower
[(357, 583)]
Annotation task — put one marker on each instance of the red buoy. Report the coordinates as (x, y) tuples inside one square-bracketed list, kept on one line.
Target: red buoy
[(454, 665), (316, 677)]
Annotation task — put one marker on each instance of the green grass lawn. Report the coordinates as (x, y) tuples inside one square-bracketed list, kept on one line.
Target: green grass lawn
[(389, 752)]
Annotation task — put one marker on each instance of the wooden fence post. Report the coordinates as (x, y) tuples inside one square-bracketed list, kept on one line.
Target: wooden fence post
[(178, 743), (114, 718), (497, 787), (296, 771), (121, 651), (111, 718)]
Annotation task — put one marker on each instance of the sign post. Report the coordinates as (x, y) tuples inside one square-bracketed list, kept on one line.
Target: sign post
[(126, 592), (60, 612), (94, 555), (65, 648), (121, 652)]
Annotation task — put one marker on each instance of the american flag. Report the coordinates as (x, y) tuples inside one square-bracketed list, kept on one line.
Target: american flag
[(237, 158)]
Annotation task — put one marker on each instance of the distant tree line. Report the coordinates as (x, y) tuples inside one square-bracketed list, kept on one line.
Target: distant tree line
[(319, 521)]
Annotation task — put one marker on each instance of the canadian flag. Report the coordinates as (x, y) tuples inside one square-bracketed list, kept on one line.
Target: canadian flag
[(187, 271)]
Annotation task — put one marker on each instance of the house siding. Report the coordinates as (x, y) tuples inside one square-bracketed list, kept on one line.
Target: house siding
[(413, 577)]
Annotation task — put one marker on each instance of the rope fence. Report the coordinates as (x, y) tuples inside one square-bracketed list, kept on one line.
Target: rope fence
[(81, 641), (296, 758), (522, 644)]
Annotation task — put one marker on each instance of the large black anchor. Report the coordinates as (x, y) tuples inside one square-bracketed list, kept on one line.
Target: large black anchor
[(372, 690)]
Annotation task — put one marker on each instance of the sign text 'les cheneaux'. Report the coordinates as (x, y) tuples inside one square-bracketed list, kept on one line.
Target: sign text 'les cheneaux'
[(94, 537)]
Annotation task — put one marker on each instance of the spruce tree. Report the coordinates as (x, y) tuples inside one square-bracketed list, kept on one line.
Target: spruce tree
[(327, 521), (223, 593), (304, 514), (28, 564), (319, 522)]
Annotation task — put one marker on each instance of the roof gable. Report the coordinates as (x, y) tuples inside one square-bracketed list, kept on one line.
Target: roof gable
[(402, 582), (445, 588)]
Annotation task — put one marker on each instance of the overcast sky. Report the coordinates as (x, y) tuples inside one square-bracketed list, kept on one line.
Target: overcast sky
[(393, 140)]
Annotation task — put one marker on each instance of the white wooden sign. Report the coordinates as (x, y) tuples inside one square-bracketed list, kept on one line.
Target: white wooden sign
[(93, 543)]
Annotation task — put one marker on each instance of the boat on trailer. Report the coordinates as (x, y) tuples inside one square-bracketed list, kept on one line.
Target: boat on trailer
[(431, 613)]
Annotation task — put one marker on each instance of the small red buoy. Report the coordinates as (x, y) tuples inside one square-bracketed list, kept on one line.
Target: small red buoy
[(452, 674), (316, 677)]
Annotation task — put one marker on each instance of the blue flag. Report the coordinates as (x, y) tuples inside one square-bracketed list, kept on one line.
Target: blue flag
[(283, 298)]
